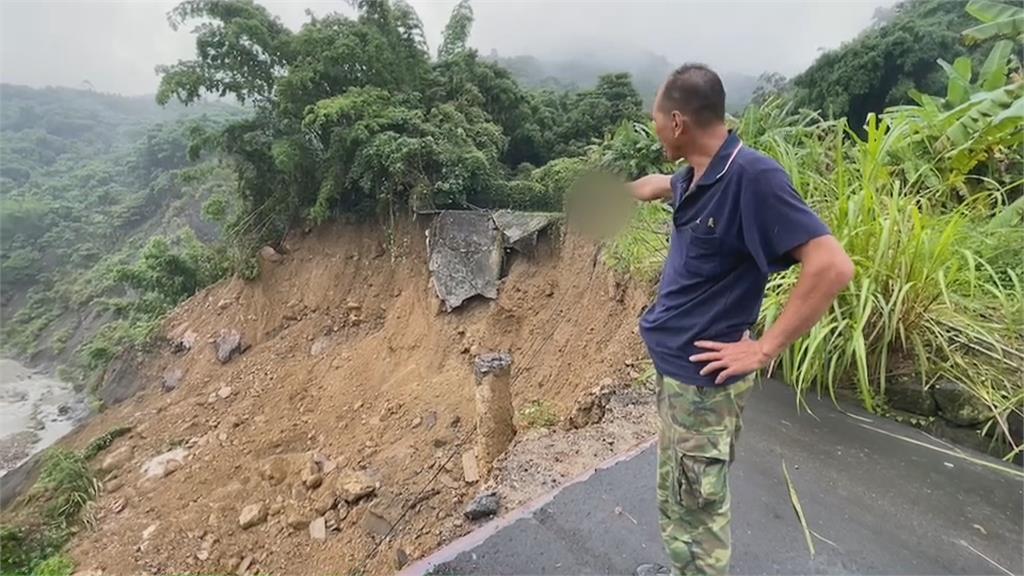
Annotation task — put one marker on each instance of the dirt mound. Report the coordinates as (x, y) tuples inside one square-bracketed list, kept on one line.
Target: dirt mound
[(301, 454)]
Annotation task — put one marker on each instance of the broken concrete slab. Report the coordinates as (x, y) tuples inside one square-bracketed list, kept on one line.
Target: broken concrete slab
[(520, 229), (465, 255)]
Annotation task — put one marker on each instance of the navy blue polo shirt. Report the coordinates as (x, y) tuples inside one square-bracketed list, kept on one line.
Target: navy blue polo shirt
[(733, 229)]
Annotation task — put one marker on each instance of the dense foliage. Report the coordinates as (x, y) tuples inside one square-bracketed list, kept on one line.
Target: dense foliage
[(85, 180), (879, 67), (353, 115), (55, 508)]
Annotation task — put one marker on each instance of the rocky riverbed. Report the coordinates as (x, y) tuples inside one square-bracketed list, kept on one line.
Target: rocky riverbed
[(35, 411)]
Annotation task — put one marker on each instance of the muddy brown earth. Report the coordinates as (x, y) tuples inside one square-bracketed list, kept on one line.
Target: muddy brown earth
[(334, 437)]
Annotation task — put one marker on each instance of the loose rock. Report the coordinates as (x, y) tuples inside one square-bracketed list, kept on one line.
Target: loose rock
[(185, 343), (229, 345), (294, 518), (483, 506), (311, 477), (375, 524), (590, 406), (149, 531), (318, 529), (958, 405), (275, 471), (470, 471), (270, 255), (252, 515), (116, 459), (325, 502), (355, 486), (650, 570), (159, 466), (331, 520), (224, 392), (172, 467), (171, 378), (907, 393), (401, 558)]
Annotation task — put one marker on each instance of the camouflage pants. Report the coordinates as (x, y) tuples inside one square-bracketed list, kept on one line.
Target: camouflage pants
[(699, 427)]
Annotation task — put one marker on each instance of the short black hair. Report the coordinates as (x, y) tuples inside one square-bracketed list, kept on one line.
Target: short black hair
[(697, 92)]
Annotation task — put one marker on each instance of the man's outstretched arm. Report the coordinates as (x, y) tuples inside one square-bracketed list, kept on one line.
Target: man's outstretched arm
[(825, 270), (653, 187)]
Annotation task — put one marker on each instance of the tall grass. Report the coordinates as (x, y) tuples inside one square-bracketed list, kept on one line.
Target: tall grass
[(68, 485), (32, 536)]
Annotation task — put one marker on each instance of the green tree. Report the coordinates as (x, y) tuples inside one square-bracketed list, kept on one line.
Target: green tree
[(879, 67), (591, 114), (240, 49), (455, 37)]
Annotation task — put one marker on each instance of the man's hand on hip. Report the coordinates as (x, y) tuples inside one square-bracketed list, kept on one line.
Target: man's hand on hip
[(731, 358)]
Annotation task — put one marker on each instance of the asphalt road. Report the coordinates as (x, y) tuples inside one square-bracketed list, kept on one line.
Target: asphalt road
[(878, 504)]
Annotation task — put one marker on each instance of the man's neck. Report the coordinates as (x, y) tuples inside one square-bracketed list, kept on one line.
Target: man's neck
[(704, 149)]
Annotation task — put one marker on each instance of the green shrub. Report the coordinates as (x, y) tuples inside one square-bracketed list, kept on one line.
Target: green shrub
[(60, 339), (102, 442), (67, 484), (523, 195), (538, 414), (59, 565), (24, 549)]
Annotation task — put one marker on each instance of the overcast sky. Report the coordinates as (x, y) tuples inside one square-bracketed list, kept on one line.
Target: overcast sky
[(116, 44)]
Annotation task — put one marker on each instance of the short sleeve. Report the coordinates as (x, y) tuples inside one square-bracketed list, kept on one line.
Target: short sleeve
[(775, 220), (679, 182)]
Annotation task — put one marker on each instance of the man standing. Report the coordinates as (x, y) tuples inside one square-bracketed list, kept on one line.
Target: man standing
[(736, 219)]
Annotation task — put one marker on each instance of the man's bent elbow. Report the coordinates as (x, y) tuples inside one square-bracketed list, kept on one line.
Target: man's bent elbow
[(825, 260), (842, 271)]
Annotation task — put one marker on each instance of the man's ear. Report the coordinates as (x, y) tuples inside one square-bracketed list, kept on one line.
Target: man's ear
[(678, 121)]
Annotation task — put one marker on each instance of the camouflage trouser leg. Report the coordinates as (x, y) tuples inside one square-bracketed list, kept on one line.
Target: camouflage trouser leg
[(698, 431)]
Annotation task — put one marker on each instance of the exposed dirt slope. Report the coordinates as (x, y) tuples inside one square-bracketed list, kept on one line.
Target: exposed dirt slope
[(350, 360)]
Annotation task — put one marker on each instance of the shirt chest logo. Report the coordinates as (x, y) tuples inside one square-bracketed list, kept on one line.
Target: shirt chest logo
[(709, 222)]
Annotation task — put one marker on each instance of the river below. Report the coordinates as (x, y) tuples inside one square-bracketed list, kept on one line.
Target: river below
[(36, 410)]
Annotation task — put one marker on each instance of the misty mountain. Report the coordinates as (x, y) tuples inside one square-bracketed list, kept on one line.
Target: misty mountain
[(579, 71)]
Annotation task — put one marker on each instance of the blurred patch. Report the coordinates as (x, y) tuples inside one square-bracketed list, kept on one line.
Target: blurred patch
[(599, 205)]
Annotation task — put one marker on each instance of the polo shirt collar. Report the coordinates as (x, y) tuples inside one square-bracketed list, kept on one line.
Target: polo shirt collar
[(722, 160)]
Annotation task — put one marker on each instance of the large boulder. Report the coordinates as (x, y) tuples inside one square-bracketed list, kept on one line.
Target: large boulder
[(465, 252), (520, 229), (906, 392), (958, 405), (229, 345)]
